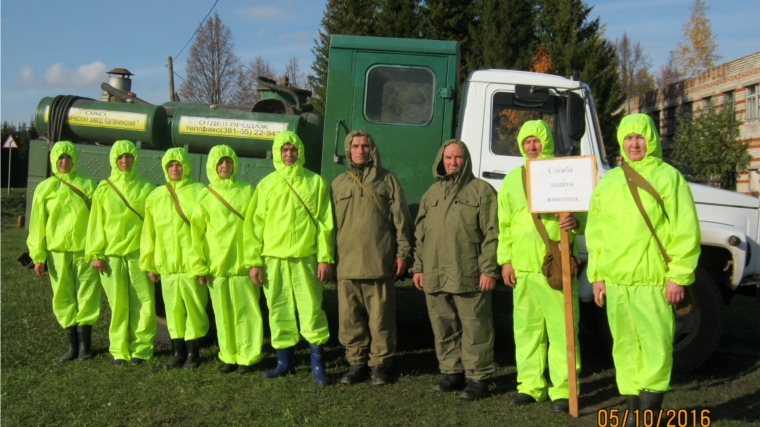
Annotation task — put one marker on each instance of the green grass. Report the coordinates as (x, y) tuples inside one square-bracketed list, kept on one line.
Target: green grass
[(38, 391)]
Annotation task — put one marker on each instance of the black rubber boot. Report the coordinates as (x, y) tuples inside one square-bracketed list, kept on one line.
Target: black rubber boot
[(450, 382), (244, 369), (193, 354), (475, 390), (84, 334), (284, 364), (632, 404), (71, 335), (521, 399), (316, 354), (226, 368), (379, 376), (560, 405), (179, 356), (355, 374), (650, 404)]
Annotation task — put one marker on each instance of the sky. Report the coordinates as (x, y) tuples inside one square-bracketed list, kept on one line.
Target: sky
[(65, 47)]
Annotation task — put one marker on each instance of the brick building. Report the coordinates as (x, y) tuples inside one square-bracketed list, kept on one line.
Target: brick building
[(736, 82)]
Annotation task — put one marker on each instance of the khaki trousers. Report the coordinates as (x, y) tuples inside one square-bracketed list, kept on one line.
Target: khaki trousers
[(464, 335), (367, 312)]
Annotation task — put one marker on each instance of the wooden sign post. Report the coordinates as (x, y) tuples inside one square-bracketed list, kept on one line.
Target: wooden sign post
[(564, 185)]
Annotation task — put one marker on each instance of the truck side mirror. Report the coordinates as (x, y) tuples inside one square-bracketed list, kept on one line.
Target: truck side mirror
[(576, 116)]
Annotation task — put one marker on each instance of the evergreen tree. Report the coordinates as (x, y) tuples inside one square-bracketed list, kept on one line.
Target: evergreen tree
[(502, 34), (708, 145), (451, 20), (23, 134), (575, 43), (350, 17), (399, 18)]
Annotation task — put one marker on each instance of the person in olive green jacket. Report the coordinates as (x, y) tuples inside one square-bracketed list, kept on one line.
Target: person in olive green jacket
[(164, 249), (113, 245), (57, 231), (455, 264), (374, 233), (625, 263), (539, 310)]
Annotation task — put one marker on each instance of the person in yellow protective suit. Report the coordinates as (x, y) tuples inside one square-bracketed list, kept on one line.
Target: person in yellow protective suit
[(217, 259), (289, 229), (163, 254), (113, 246), (627, 266), (539, 312), (57, 231)]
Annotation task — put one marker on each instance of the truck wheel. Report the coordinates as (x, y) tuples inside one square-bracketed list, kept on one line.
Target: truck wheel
[(698, 333)]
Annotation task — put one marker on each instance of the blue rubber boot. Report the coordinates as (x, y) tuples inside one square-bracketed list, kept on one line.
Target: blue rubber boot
[(318, 365), (284, 364)]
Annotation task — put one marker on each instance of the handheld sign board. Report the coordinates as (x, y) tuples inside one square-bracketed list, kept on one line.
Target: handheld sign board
[(560, 184), (563, 185)]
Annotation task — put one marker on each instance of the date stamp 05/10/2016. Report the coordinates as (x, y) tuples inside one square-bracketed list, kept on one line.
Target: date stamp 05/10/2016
[(649, 418)]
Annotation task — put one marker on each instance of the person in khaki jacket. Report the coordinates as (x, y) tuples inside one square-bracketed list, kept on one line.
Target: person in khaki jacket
[(455, 264), (373, 246)]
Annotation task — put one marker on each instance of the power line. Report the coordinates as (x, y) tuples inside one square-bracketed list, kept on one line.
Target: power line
[(196, 30)]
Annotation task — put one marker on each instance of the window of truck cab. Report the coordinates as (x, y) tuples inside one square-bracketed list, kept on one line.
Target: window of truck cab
[(399, 95), (508, 114)]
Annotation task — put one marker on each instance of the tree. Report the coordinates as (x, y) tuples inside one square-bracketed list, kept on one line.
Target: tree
[(696, 52), (451, 20), (633, 69), (351, 17), (296, 77), (246, 84), (502, 34), (669, 73), (213, 69), (572, 42), (398, 18), (23, 134), (709, 149)]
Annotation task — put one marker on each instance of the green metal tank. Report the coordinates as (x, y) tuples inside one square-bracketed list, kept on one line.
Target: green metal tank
[(249, 134), (108, 122)]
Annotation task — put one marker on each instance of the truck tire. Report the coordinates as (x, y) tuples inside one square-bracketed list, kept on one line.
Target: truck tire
[(698, 333)]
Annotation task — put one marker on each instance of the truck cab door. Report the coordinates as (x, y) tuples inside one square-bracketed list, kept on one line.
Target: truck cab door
[(405, 101)]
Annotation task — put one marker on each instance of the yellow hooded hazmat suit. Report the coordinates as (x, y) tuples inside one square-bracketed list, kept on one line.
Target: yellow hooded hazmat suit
[(164, 249), (287, 242), (57, 232), (113, 236), (218, 253), (539, 313), (625, 260)]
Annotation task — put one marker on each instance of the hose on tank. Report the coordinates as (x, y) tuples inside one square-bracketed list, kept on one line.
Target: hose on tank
[(59, 110)]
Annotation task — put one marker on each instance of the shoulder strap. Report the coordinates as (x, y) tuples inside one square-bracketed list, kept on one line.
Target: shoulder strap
[(224, 202), (639, 181), (367, 193), (123, 199), (77, 191), (536, 219), (634, 181), (176, 203), (302, 202)]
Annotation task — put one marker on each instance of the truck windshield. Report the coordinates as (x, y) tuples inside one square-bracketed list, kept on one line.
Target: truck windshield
[(509, 114)]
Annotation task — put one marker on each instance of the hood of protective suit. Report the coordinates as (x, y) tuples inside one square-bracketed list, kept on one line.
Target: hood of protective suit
[(119, 148), (282, 138), (369, 169), (541, 130), (179, 154), (216, 154), (459, 178), (63, 147), (643, 125)]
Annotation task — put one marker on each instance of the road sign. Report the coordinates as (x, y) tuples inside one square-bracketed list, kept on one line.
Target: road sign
[(10, 142)]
